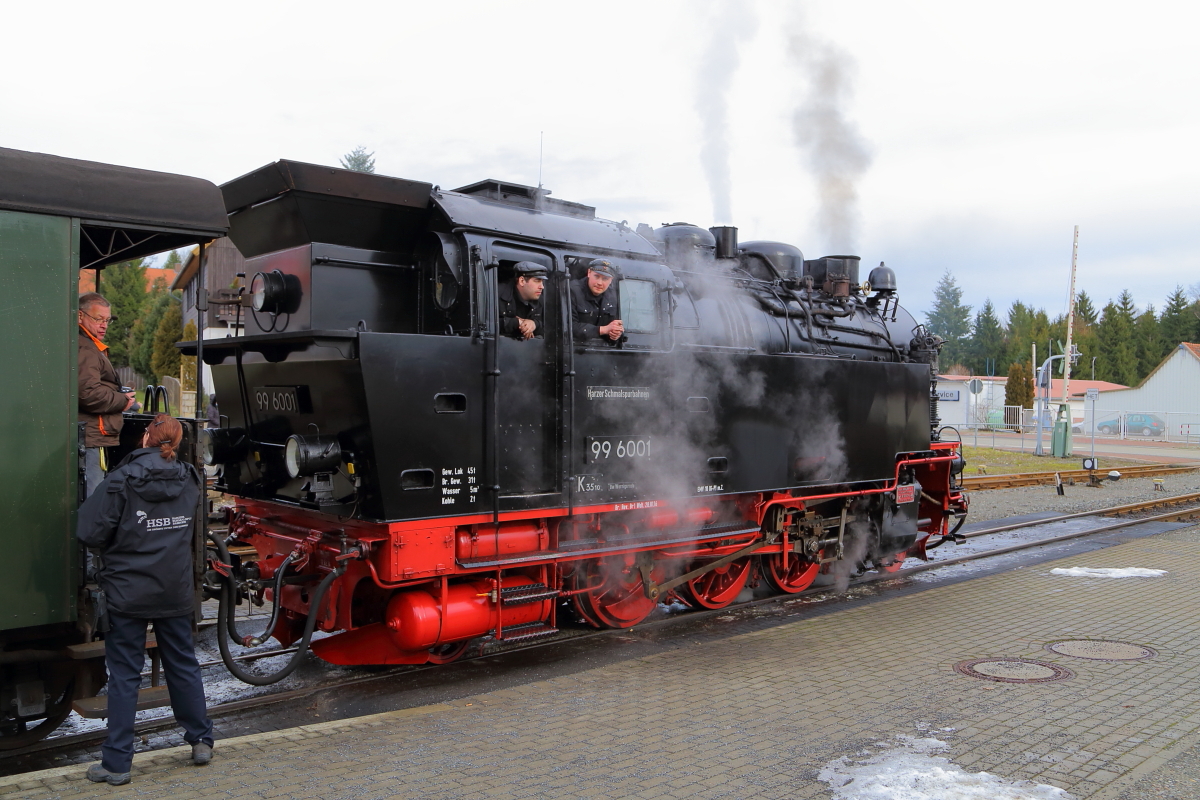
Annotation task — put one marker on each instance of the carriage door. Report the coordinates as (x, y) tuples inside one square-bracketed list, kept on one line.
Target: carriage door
[(527, 409)]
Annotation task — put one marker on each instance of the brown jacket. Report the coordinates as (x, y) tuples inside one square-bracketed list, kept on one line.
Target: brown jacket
[(100, 399)]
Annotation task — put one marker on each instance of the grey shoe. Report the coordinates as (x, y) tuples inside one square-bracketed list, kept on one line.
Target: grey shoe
[(98, 774), (201, 753)]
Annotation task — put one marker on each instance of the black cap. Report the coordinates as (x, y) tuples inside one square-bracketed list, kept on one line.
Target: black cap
[(604, 267), (528, 269)]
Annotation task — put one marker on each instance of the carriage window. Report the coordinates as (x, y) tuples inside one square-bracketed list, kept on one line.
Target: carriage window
[(639, 306)]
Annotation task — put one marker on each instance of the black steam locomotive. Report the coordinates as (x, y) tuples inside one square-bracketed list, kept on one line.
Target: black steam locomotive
[(412, 481)]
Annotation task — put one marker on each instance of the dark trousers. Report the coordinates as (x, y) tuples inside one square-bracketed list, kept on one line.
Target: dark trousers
[(124, 655)]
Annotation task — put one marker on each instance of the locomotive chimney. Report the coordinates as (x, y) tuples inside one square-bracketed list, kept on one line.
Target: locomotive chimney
[(726, 236)]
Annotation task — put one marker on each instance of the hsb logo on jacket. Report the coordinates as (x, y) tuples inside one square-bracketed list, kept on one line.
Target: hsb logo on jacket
[(162, 523)]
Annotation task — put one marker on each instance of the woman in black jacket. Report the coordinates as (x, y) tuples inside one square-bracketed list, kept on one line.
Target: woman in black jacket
[(139, 521)]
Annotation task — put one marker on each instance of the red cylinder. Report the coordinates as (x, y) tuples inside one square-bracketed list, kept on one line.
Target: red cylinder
[(417, 621), (513, 538), (662, 518), (700, 515)]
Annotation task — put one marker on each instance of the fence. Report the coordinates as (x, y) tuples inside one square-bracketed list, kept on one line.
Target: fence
[(1161, 426)]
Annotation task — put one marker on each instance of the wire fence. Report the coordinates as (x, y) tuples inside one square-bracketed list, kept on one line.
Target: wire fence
[(1161, 426)]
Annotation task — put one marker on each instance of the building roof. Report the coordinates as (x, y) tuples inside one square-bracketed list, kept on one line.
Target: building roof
[(1080, 387), (1194, 349)]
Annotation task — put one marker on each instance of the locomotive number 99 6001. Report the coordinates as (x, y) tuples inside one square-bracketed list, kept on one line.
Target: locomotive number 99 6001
[(282, 400), (605, 448)]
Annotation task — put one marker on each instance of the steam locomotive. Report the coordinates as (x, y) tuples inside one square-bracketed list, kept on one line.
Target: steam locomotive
[(411, 481)]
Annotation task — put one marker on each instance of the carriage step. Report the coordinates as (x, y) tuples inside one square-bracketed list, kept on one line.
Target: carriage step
[(97, 707), (526, 632), (531, 593)]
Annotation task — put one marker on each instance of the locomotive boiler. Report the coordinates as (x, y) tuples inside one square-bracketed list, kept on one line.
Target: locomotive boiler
[(411, 481)]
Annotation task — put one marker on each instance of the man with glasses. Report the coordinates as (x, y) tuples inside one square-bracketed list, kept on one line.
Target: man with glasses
[(101, 401)]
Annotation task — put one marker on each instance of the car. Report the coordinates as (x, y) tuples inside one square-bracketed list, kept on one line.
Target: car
[(1141, 424)]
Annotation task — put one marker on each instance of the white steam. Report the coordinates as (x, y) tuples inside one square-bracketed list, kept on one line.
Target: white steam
[(834, 150), (730, 24)]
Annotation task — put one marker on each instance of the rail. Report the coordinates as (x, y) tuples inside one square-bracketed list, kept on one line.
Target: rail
[(979, 482)]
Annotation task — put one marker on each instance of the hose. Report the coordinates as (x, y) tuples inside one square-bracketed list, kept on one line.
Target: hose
[(226, 628)]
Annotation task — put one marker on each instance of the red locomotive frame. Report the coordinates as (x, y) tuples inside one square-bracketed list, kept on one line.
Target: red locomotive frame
[(422, 591)]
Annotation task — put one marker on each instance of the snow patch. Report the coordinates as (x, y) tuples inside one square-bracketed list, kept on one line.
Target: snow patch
[(912, 772), (1108, 572)]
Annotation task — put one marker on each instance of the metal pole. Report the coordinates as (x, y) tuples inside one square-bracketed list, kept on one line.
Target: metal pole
[(1070, 318), (201, 310), (1093, 431)]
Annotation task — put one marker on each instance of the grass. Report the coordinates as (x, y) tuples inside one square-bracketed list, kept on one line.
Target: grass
[(1004, 462)]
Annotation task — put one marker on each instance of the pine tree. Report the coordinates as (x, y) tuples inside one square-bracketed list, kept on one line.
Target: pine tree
[(950, 319), (164, 359), (1117, 358), (1084, 310), (141, 336), (359, 160), (1149, 342), (125, 289), (1018, 390), (1177, 322), (987, 341), (188, 363)]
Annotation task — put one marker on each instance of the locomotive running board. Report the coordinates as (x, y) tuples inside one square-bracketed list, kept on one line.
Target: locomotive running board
[(623, 545)]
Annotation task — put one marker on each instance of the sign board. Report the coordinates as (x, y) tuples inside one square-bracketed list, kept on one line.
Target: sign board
[(975, 385), (947, 394), (1093, 393)]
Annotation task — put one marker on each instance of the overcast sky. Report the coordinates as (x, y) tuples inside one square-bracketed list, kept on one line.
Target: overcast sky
[(980, 134)]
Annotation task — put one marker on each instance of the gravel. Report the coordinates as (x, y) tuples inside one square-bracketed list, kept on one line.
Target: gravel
[(990, 504)]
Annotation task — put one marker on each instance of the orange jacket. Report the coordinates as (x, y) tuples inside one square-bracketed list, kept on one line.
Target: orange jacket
[(100, 399)]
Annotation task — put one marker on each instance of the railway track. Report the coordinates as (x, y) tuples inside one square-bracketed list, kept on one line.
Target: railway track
[(92, 738), (977, 482)]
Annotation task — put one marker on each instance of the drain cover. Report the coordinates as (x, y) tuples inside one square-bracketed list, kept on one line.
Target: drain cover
[(1101, 650), (1013, 670)]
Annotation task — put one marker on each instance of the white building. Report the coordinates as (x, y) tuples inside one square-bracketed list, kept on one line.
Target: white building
[(1171, 393)]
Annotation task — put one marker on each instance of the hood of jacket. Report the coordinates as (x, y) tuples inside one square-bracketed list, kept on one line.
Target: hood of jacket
[(152, 477)]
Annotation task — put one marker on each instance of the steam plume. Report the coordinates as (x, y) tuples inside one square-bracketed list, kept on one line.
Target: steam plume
[(836, 153), (731, 24)]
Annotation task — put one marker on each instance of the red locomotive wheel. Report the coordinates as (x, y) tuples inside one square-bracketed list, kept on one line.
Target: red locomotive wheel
[(445, 653), (798, 576), (620, 601), (719, 587)]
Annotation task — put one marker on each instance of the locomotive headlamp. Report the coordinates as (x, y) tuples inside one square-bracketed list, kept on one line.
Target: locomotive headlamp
[(223, 445), (273, 293), (306, 455)]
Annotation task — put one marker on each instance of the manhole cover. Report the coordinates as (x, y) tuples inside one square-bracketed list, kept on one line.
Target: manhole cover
[(1101, 650), (1013, 670)]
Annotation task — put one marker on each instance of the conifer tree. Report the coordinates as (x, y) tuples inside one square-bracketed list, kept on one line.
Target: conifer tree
[(1084, 309), (141, 336), (188, 363), (1117, 358), (164, 359), (359, 160), (124, 287), (1018, 390), (950, 319), (1149, 342), (986, 346), (1177, 323)]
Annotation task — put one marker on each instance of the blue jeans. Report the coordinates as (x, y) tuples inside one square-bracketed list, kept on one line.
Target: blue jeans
[(124, 655), (91, 469)]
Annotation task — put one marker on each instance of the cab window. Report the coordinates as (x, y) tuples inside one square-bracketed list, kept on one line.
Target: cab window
[(639, 305)]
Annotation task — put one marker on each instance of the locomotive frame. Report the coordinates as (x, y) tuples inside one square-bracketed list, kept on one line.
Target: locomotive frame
[(411, 481)]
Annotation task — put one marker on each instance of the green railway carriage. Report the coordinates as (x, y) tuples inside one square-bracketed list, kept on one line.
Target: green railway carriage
[(59, 216)]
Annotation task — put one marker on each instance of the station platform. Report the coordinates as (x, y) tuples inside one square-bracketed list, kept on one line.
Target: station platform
[(1052, 684)]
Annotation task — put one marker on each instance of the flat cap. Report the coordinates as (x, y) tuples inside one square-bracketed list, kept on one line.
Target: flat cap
[(603, 266), (528, 269)]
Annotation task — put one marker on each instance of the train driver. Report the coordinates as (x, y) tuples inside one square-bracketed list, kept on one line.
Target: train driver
[(521, 301), (594, 306)]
